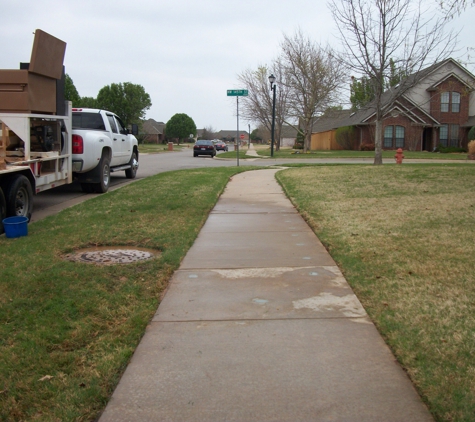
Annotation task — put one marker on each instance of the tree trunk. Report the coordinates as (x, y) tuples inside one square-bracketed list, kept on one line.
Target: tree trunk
[(307, 138), (306, 144), (378, 144)]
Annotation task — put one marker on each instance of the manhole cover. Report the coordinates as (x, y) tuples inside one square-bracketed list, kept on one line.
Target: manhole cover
[(110, 255)]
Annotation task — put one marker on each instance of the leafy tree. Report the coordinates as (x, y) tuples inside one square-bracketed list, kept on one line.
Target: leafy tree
[(331, 109), (471, 133), (128, 100), (87, 102), (396, 75), (70, 91), (255, 136), (361, 92), (180, 126)]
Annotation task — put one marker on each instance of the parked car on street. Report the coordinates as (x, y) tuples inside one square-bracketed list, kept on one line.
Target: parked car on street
[(204, 147), (221, 146)]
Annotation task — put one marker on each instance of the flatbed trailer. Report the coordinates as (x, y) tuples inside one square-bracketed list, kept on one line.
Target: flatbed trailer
[(35, 155)]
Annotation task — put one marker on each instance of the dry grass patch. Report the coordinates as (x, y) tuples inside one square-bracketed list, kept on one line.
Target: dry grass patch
[(404, 236)]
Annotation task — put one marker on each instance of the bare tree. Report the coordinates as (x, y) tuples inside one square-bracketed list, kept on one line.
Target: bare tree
[(257, 106), (375, 31), (454, 7), (312, 75), (208, 133)]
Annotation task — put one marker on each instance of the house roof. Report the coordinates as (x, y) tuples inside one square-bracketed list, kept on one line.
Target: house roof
[(288, 132), (330, 120), (152, 127), (392, 100), (230, 133)]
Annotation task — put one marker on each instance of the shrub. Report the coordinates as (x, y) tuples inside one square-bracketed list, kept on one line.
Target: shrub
[(471, 133), (471, 147), (367, 147), (448, 150), (345, 137)]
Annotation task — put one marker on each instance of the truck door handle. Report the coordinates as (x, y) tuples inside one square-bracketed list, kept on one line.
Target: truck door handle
[(115, 139)]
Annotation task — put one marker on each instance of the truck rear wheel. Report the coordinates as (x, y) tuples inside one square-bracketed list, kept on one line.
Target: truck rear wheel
[(104, 175), (3, 210), (19, 197)]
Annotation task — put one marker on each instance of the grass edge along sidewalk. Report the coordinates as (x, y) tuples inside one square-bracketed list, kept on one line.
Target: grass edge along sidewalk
[(404, 239), (68, 329)]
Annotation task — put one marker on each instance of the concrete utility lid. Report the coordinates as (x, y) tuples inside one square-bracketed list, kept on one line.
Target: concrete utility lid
[(110, 255)]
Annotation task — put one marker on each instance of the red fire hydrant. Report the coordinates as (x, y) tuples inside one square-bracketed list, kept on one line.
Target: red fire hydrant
[(399, 156)]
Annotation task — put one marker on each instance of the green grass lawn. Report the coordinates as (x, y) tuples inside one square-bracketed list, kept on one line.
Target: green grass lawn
[(68, 329), (404, 237), (233, 154), (289, 153), (161, 148)]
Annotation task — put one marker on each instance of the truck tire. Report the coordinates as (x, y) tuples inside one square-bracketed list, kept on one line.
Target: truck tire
[(104, 176), (134, 165), (3, 210), (19, 197)]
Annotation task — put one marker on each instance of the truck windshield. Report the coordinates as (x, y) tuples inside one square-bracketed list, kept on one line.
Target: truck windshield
[(88, 121)]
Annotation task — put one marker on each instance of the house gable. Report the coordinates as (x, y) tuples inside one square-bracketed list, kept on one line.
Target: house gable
[(431, 79)]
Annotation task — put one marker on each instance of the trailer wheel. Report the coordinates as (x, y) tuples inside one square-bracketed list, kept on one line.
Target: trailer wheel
[(3, 210), (104, 175), (19, 197)]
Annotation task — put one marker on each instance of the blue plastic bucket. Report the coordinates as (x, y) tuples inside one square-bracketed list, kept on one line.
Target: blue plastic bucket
[(15, 226)]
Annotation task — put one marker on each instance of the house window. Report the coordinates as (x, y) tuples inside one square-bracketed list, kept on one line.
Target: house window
[(399, 136), (444, 101), (394, 137), (455, 102), (449, 135), (450, 101), (444, 135)]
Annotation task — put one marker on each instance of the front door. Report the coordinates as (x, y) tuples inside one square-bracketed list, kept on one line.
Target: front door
[(427, 139)]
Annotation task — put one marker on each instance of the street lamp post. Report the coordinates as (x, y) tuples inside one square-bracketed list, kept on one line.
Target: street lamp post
[(272, 88), (249, 143)]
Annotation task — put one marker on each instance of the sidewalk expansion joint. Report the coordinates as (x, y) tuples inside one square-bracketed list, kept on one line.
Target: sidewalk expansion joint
[(363, 317)]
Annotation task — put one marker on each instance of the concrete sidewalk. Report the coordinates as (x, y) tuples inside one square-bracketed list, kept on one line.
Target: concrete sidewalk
[(258, 324)]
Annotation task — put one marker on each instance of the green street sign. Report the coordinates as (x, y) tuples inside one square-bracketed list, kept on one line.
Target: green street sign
[(237, 92)]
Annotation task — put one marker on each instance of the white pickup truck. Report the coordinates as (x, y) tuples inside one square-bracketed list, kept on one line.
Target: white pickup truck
[(101, 145)]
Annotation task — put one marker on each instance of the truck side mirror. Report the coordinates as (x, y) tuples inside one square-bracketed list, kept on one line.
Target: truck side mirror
[(135, 129)]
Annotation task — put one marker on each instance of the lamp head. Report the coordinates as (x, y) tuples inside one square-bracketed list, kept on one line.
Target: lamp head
[(271, 79)]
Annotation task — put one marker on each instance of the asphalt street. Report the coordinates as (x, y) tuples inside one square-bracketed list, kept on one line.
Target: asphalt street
[(54, 200)]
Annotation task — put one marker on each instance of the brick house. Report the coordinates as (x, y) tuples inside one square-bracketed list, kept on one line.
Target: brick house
[(435, 106), (153, 131)]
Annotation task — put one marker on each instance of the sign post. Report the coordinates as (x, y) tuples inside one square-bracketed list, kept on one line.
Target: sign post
[(237, 93)]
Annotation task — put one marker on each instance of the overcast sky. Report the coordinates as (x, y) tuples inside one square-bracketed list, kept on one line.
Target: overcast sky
[(185, 53)]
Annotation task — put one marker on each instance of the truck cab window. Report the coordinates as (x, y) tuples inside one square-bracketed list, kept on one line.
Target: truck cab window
[(112, 123), (121, 126)]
